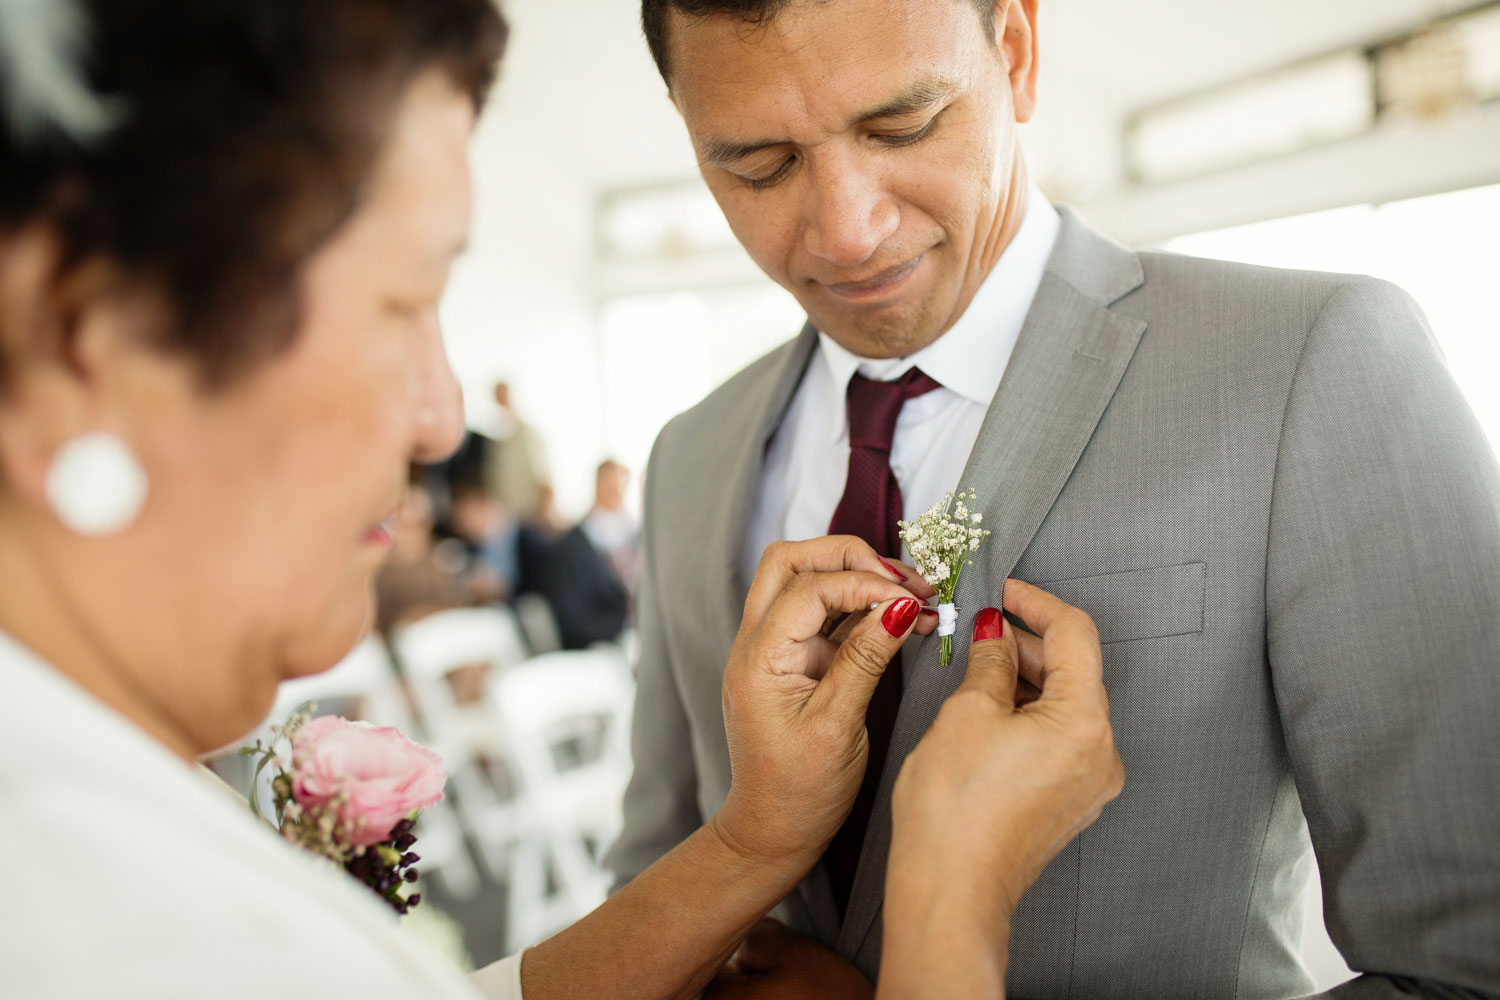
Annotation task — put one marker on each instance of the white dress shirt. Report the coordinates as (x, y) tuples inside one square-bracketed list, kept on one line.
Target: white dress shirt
[(130, 875), (807, 461)]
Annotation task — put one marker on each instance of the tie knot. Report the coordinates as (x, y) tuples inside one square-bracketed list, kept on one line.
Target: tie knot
[(874, 406)]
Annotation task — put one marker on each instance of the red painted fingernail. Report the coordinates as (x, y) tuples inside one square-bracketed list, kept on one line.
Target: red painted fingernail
[(894, 571), (899, 616), (931, 611), (988, 624)]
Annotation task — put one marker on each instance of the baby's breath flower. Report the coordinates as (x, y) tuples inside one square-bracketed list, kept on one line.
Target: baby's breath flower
[(939, 542)]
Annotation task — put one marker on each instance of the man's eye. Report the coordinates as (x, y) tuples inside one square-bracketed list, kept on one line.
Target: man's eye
[(761, 183), (908, 138)]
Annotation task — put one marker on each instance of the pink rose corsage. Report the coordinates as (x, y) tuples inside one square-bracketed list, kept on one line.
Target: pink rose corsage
[(352, 792)]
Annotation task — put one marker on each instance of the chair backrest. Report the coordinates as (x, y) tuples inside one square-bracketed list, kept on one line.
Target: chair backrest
[(365, 673), (549, 691), (534, 612), (574, 809), (443, 641)]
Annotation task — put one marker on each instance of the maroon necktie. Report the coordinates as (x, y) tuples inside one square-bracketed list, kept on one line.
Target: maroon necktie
[(870, 508)]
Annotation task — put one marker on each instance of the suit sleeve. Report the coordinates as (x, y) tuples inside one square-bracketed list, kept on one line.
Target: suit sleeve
[(661, 801), (1383, 635)]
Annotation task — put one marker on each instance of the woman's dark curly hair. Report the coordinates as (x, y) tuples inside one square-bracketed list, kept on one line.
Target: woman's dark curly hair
[(248, 129)]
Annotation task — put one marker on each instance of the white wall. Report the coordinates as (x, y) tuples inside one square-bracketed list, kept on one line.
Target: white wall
[(578, 108)]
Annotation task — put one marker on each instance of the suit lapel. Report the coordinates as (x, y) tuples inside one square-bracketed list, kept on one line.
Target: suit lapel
[(764, 409), (1064, 369), (764, 406)]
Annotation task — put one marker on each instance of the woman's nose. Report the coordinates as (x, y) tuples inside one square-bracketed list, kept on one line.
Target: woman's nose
[(440, 402)]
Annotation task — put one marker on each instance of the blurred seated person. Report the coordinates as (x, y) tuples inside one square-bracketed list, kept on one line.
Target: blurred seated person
[(414, 582), (515, 460), (567, 566), (417, 580), (587, 598), (481, 547), (614, 531), (535, 537)]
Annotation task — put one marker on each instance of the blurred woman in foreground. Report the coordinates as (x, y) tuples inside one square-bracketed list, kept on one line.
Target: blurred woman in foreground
[(224, 231)]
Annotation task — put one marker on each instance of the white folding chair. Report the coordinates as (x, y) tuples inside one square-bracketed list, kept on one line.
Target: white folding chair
[(538, 623), (467, 736), (574, 809), (368, 676)]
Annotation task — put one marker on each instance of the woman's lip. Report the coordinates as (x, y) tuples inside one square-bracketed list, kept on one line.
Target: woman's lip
[(379, 535), (881, 282), (383, 533)]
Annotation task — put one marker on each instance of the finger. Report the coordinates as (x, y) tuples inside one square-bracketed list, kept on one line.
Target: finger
[(861, 661), (1029, 648), (799, 612), (820, 652), (927, 623), (1026, 692), (1071, 659), (992, 659), (913, 580), (783, 561), (847, 625)]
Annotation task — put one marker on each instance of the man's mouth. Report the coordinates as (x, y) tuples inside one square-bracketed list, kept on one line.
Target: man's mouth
[(876, 284)]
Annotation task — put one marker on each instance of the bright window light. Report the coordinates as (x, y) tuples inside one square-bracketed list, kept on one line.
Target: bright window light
[(661, 353), (1442, 249), (1480, 32), (662, 223), (1281, 112)]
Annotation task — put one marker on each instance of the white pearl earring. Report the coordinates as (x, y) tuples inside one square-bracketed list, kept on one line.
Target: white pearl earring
[(95, 484)]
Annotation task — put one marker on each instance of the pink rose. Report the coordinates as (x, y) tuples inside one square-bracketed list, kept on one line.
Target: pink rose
[(384, 774)]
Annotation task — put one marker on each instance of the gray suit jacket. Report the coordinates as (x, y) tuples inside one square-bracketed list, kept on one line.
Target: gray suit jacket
[(1265, 488)]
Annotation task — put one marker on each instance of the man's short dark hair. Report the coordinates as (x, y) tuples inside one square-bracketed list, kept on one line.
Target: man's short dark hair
[(654, 18)]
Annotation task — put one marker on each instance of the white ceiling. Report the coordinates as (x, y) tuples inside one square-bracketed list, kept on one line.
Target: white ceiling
[(1124, 55), (580, 89)]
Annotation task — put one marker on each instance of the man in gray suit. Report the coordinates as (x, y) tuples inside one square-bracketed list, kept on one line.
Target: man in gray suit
[(1262, 485)]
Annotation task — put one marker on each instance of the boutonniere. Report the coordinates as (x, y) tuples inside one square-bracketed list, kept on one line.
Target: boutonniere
[(940, 542), (351, 792)]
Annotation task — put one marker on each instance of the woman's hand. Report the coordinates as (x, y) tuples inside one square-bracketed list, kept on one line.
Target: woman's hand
[(993, 792), (795, 699), (794, 708)]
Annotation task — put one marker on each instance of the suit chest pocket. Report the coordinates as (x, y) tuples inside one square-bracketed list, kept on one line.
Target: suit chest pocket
[(1139, 604)]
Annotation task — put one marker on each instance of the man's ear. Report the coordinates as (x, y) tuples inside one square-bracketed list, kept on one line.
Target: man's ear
[(65, 335), (1015, 24)]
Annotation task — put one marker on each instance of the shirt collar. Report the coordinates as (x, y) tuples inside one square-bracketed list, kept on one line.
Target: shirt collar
[(971, 357)]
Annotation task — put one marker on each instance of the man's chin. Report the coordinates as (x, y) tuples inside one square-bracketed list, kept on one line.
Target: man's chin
[(892, 333)]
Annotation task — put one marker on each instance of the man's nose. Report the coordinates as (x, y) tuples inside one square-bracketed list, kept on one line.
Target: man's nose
[(440, 401), (849, 214)]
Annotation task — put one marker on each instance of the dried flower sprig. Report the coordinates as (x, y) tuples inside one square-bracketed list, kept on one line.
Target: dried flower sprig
[(351, 793), (941, 542)]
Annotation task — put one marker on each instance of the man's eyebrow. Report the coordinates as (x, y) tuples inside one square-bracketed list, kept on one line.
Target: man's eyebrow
[(920, 96)]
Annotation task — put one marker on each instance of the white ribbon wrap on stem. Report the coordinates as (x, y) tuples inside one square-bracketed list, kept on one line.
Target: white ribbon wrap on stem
[(947, 619)]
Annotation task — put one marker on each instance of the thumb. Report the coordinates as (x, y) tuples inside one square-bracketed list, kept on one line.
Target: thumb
[(861, 661), (993, 659)]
